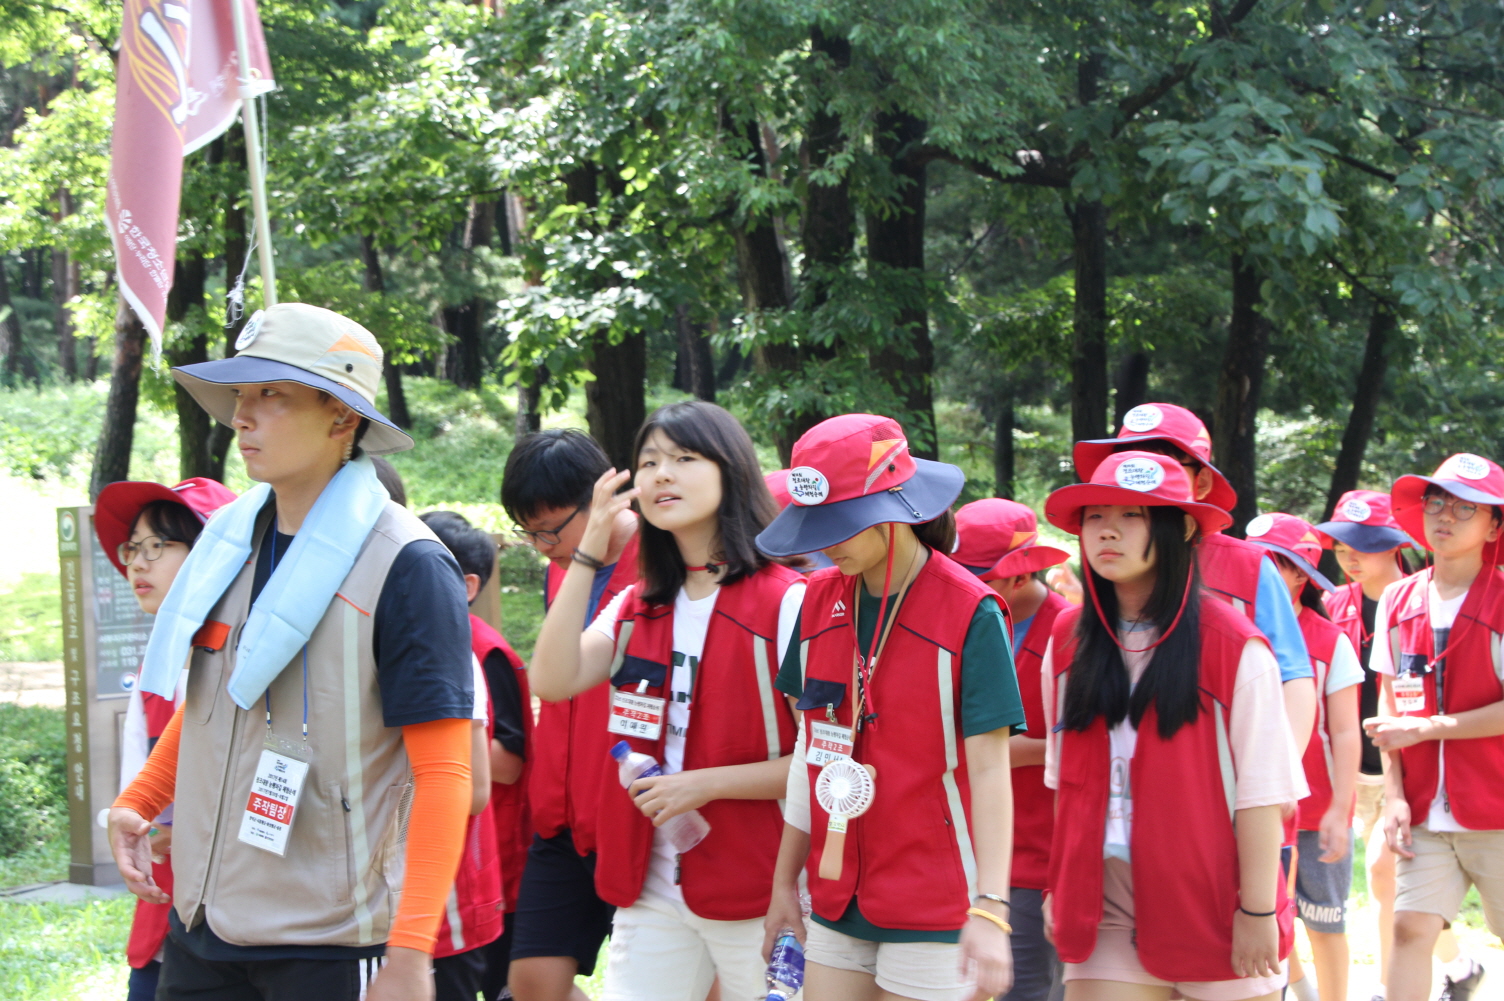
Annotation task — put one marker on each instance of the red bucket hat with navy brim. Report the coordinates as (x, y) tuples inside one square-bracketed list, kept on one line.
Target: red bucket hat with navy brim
[(997, 539), (1159, 422), (1465, 476), (1364, 520), (1133, 479), (119, 503), (850, 473), (1293, 538)]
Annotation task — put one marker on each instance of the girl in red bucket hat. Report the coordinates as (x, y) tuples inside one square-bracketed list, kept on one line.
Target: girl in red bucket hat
[(1169, 750), (147, 530), (1442, 721), (907, 694), (1324, 862)]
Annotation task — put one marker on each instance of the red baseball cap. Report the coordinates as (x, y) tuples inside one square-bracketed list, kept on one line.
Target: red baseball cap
[(1465, 476), (1364, 520), (1133, 479), (119, 503), (1159, 422), (850, 473), (1293, 538), (998, 538)]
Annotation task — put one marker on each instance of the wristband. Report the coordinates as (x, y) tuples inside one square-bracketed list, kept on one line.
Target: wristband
[(585, 559), (994, 898), (1257, 914), (1005, 926)]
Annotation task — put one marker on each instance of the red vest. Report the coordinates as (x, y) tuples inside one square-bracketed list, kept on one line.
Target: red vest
[(1345, 606), (571, 748), (472, 914), (1184, 852), (738, 718), (909, 858), (509, 803), (1321, 642), (1033, 801), (1230, 570), (149, 926), (1468, 681)]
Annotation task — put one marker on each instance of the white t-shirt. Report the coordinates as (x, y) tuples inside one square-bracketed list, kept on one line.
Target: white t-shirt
[(691, 624), (1267, 772), (1345, 670), (1381, 661), (479, 710)]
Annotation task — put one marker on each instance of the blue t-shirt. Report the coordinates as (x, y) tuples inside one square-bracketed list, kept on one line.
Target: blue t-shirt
[(1275, 618)]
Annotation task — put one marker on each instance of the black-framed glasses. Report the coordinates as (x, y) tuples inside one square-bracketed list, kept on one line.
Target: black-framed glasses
[(151, 547), (549, 536), (1461, 510)]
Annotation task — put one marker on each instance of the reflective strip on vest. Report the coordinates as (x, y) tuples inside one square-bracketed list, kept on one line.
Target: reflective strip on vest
[(623, 637), (1224, 760), (456, 923), (952, 762), (355, 772), (1240, 606), (765, 694)]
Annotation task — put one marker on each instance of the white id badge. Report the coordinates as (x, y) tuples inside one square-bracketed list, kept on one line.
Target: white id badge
[(274, 796), (1410, 693), (636, 715), (828, 742)]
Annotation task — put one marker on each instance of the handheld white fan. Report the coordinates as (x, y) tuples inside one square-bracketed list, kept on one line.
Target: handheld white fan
[(844, 790)]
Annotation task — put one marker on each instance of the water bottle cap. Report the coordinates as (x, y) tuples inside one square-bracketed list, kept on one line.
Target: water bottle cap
[(620, 750)]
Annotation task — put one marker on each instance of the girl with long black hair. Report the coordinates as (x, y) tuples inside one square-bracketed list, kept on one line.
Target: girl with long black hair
[(1170, 753)]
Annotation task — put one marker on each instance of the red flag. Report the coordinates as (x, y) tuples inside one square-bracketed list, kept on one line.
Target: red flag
[(176, 89)]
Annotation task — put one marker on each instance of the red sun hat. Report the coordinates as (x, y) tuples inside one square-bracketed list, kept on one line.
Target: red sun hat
[(1364, 520), (777, 482), (997, 538), (1465, 476), (1133, 479), (1293, 538), (1160, 422), (850, 473), (119, 503)]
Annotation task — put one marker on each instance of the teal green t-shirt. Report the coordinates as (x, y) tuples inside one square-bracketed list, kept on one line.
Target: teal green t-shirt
[(989, 701)]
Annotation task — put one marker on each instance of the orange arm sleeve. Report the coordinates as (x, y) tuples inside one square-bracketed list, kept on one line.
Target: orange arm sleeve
[(154, 787), (440, 754)]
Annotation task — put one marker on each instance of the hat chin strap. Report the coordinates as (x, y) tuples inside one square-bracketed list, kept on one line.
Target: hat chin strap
[(1112, 632)]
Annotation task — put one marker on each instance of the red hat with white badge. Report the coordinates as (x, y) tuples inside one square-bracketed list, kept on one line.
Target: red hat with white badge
[(1293, 538), (997, 539), (1467, 477), (1133, 479), (1364, 520), (119, 503), (1164, 422)]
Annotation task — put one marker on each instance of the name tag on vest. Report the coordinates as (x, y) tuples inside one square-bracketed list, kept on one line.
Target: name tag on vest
[(275, 789), (638, 716), (1409, 693), (828, 742)]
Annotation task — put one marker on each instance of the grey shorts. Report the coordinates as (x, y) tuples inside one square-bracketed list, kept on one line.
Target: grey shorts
[(1321, 888)]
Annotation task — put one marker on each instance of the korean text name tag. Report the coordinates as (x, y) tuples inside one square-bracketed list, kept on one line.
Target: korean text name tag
[(828, 742), (638, 716), (275, 789)]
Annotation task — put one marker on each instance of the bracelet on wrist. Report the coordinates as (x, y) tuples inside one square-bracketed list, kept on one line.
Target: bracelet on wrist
[(994, 898), (1007, 929), (585, 559), (1257, 914)]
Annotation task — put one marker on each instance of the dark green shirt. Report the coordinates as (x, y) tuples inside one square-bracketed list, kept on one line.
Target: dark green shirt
[(989, 701)]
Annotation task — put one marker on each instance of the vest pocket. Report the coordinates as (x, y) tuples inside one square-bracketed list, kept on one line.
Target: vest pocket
[(338, 843), (206, 672), (635, 670), (819, 693)]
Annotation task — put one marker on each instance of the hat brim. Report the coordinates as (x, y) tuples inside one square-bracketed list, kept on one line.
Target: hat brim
[(117, 507), (1063, 507), (1301, 563), (209, 381), (925, 496), (1365, 538), (1028, 559), (1408, 499), (1088, 455)]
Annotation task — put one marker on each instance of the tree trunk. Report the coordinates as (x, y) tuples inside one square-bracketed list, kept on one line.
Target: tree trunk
[(1132, 385), (1002, 449), (896, 239), (529, 391), (1242, 380), (1089, 251), (828, 224), (112, 459), (466, 321), (12, 343), (1381, 325), (64, 288), (696, 362), (614, 403), (373, 280), (195, 427)]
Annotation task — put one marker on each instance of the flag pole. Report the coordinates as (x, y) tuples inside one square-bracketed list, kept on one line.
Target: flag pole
[(251, 119)]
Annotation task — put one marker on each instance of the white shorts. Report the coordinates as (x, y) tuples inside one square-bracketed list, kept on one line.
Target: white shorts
[(662, 951), (926, 971)]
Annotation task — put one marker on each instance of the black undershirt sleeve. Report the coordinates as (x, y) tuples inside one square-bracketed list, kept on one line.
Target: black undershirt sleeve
[(422, 641), (506, 702)]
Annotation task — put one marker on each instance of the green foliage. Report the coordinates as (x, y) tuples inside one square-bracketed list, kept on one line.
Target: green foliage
[(31, 626), (61, 952), (464, 438), (33, 780), (43, 432)]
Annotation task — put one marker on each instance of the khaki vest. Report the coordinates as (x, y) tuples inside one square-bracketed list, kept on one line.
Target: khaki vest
[(340, 880)]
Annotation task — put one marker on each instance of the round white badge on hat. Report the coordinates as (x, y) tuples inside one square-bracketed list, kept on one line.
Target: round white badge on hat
[(250, 330), (1142, 475), (1259, 526), (1144, 417), (1469, 466), (1357, 510), (807, 485)]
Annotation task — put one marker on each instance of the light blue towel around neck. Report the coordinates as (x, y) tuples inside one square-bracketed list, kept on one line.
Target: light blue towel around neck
[(291, 603)]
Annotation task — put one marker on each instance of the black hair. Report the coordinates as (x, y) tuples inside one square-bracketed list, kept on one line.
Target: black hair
[(747, 506), (939, 534), (473, 549), (170, 522), (1310, 594), (1098, 683), (554, 469), (391, 479)]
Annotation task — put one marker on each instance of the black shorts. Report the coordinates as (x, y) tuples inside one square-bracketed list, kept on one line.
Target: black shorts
[(558, 913), (185, 976)]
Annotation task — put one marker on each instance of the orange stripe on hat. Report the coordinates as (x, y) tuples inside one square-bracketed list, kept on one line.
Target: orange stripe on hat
[(348, 343), (880, 450)]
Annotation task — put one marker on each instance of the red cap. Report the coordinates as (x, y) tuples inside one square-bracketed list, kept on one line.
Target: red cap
[(1465, 476), (119, 503), (997, 538), (1133, 479), (1364, 520), (777, 482), (1160, 422), (1291, 537)]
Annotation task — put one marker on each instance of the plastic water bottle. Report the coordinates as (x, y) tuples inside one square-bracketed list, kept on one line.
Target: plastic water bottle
[(684, 831), (785, 967)]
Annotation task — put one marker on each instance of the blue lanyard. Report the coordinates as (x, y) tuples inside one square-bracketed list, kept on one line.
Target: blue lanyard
[(268, 694)]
